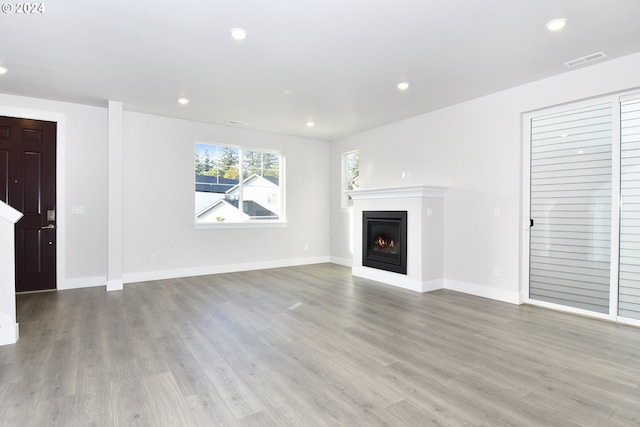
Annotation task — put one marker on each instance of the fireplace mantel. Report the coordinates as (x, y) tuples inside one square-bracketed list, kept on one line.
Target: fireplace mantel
[(425, 236), (398, 192)]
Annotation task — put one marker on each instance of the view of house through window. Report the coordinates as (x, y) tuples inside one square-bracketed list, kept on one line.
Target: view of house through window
[(350, 175), (234, 184)]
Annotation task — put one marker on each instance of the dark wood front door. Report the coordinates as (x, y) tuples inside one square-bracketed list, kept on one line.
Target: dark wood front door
[(28, 184)]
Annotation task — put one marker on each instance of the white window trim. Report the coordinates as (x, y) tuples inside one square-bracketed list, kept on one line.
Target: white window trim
[(228, 225)]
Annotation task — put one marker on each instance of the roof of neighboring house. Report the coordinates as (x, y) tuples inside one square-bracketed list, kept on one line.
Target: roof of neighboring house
[(213, 205), (272, 179), (212, 188), (213, 184), (250, 208), (214, 179)]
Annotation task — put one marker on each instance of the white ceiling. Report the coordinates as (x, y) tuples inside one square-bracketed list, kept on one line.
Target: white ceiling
[(341, 58)]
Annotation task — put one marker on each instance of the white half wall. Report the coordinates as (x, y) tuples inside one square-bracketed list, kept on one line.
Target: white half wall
[(8, 326)]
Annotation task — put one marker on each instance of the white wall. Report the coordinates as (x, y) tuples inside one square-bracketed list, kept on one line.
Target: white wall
[(475, 149), (81, 181), (158, 197), (159, 238)]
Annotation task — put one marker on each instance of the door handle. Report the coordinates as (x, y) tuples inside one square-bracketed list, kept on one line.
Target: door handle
[(48, 227)]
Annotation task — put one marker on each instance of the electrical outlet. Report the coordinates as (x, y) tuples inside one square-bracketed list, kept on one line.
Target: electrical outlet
[(496, 272)]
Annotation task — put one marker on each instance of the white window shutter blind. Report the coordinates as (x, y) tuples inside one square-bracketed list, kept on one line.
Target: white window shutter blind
[(571, 187), (629, 277)]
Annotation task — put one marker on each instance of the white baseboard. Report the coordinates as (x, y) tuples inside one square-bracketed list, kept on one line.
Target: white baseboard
[(81, 282), (8, 330), (218, 269), (483, 291), (432, 285), (398, 280), (570, 310), (115, 285), (627, 321), (347, 262), (377, 275)]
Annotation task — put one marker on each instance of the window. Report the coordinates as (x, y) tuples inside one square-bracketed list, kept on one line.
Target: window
[(350, 175), (237, 185)]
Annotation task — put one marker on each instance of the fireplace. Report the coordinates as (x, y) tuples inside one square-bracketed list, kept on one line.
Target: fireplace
[(384, 240), (424, 207)]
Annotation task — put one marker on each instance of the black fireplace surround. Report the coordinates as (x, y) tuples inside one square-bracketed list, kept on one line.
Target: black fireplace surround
[(384, 240)]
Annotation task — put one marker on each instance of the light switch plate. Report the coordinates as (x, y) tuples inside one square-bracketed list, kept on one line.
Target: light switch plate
[(77, 210)]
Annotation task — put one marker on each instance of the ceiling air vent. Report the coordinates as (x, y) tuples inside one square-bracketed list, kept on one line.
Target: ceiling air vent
[(236, 123), (585, 59)]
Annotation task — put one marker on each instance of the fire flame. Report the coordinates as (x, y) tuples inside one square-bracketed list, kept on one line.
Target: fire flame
[(383, 244)]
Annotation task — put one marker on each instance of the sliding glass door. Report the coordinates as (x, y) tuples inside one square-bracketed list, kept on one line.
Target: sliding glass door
[(571, 187), (584, 239)]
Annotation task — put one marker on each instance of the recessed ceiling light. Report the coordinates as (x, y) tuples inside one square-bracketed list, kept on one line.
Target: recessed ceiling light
[(183, 101), (310, 124), (239, 33), (287, 92), (3, 70), (556, 24), (403, 85)]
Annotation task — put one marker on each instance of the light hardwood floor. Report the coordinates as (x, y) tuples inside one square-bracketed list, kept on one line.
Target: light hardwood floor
[(310, 346)]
